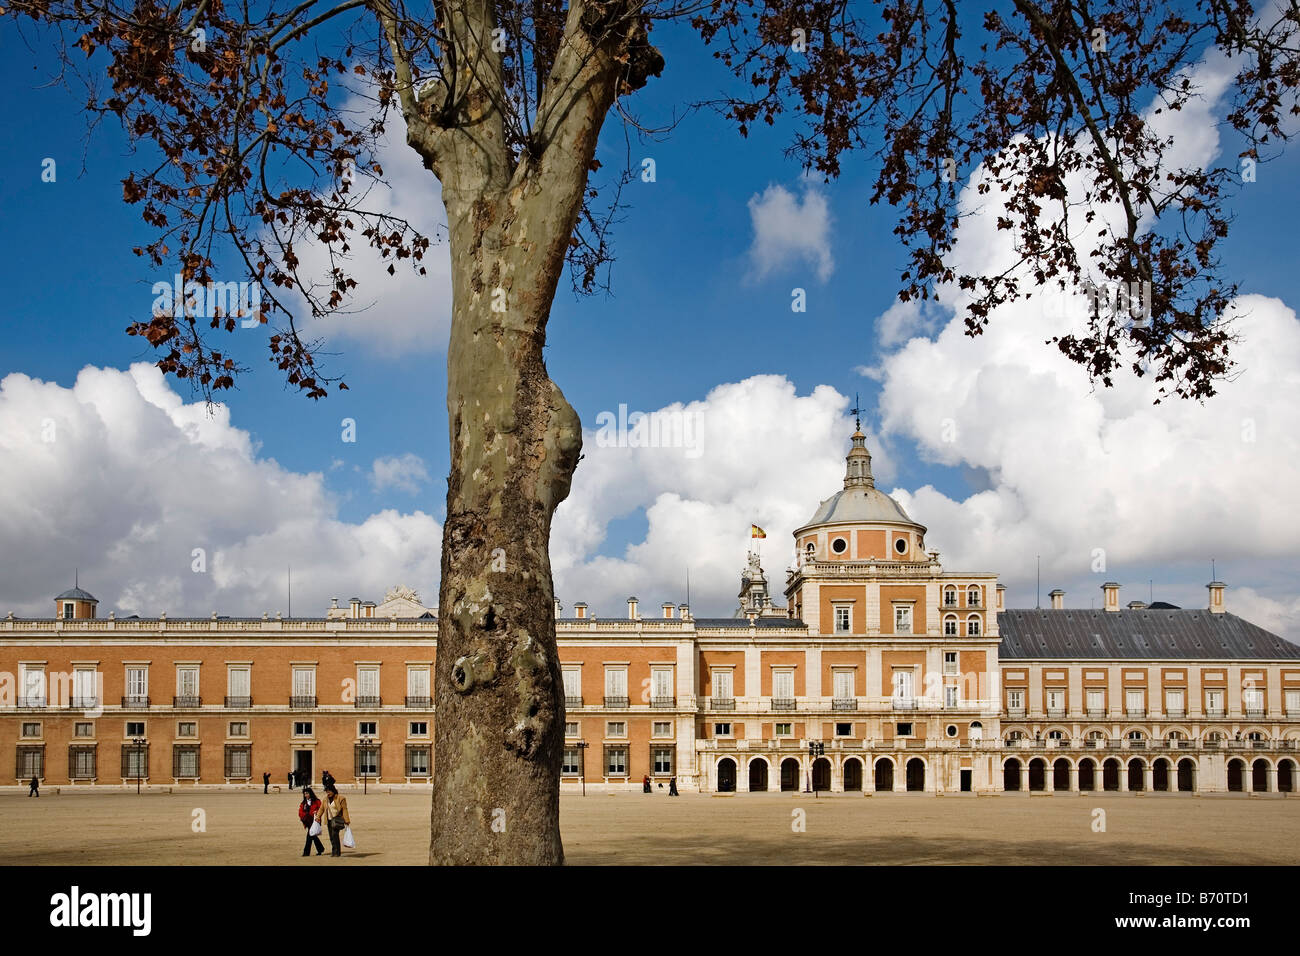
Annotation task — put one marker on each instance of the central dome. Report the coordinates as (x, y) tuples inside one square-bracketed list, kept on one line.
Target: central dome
[(859, 504)]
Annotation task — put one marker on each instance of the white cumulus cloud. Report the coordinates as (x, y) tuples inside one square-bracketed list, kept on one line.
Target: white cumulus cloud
[(790, 231)]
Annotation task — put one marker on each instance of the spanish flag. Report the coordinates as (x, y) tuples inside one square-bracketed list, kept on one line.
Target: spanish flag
[(756, 532)]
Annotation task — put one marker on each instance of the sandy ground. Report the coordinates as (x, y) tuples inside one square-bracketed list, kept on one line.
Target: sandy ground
[(115, 828)]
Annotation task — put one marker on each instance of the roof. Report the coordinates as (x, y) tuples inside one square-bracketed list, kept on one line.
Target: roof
[(76, 594), (1136, 634), (759, 622), (859, 503)]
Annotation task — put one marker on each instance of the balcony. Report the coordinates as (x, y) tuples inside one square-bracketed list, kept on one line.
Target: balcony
[(1212, 744), (302, 702), (1174, 713), (784, 703), (1253, 713), (84, 703), (1056, 713), (31, 703), (722, 703), (1095, 713), (663, 703), (616, 703), (903, 703), (424, 703), (1135, 713), (1259, 744), (1137, 744), (239, 703), (1093, 743), (1015, 713), (1215, 713), (1062, 742), (844, 703), (135, 700), (187, 701), (369, 701)]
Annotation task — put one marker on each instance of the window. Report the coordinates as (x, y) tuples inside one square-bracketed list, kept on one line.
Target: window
[(31, 762), (950, 695), (1135, 735), (31, 683), (302, 728), (185, 761), (1174, 701), (951, 730), (187, 683), (365, 728), (187, 728), (616, 686), (1055, 735), (842, 618), (237, 728), (843, 730), (68, 610), (1056, 700), (784, 730), (570, 767), (843, 684), (722, 730), (839, 546), (950, 596), (616, 761), (661, 686), (1214, 701), (1135, 701), (950, 625), (1015, 700), (31, 728), (973, 626), (950, 659), (570, 728), (137, 685), (1252, 699), (783, 685), (83, 729), (722, 684), (239, 687), (1292, 703), (417, 688), (902, 619), (902, 730), (900, 545), (615, 728), (135, 728), (239, 761), (661, 728), (420, 728), (903, 685), (367, 686), (417, 761), (972, 596), (84, 692), (367, 759), (661, 760), (304, 684), (573, 686), (81, 762)]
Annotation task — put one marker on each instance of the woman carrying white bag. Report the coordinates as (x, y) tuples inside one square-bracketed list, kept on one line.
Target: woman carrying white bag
[(307, 811), (333, 813)]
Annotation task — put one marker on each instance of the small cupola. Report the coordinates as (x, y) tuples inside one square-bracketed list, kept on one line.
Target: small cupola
[(75, 605)]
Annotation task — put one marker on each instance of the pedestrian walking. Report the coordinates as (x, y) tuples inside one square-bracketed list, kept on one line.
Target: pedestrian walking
[(307, 811), (326, 779), (672, 787), (645, 784), (333, 815), (290, 779), (34, 789), (266, 782)]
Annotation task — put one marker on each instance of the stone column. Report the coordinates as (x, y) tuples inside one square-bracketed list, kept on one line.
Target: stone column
[(1024, 776), (1074, 778), (1147, 777)]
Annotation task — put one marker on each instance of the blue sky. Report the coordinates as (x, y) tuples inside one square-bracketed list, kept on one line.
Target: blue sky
[(691, 311)]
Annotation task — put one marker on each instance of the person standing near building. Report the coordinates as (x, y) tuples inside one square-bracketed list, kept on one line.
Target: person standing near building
[(34, 788), (290, 779), (333, 814), (307, 811), (326, 779), (266, 782), (645, 784), (672, 787)]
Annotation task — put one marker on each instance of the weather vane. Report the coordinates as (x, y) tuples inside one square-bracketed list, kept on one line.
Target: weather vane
[(857, 412)]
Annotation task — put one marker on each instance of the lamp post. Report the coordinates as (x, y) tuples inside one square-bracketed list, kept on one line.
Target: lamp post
[(582, 764), (815, 750), (366, 743), (139, 767)]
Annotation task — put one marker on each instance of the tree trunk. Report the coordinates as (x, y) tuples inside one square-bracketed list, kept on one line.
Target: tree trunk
[(515, 442)]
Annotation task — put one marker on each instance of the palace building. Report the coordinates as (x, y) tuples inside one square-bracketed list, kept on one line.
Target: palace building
[(883, 671)]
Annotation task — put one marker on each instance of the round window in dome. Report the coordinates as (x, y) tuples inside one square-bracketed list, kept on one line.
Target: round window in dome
[(839, 546), (901, 546)]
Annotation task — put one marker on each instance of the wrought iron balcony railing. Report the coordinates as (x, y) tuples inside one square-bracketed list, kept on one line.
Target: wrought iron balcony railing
[(239, 703), (570, 701), (844, 703), (784, 703), (663, 703), (135, 700), (615, 702), (722, 703), (187, 700), (369, 702), (302, 702)]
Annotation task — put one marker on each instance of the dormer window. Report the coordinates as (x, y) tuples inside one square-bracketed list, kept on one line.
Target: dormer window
[(69, 610)]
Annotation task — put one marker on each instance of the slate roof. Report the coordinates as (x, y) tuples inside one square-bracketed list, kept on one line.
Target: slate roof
[(740, 622), (858, 504), (1136, 634), (77, 594)]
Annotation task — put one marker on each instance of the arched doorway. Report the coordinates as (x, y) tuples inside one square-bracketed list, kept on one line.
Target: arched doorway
[(1285, 776), (1136, 781), (1061, 774), (1110, 774), (1037, 774), (821, 774), (726, 775), (1160, 775), (758, 775), (789, 774), (1087, 775), (853, 775), (884, 774), (1011, 774), (1186, 775), (1235, 768), (1259, 776), (916, 774)]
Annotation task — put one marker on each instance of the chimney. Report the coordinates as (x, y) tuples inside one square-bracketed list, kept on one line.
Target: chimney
[(668, 610), (369, 609), (1111, 590), (558, 607), (1058, 599), (1216, 597), (631, 609), (580, 610), (1001, 594), (355, 607), (334, 604), (684, 612), (1136, 605)]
